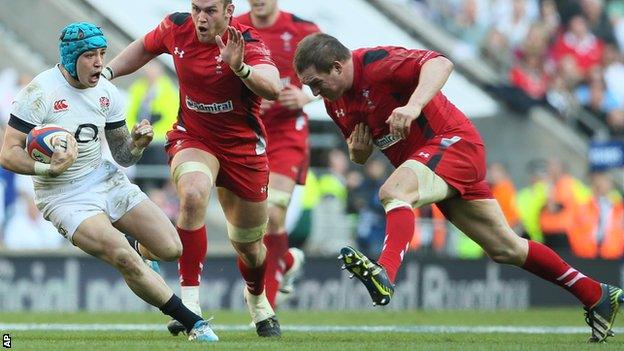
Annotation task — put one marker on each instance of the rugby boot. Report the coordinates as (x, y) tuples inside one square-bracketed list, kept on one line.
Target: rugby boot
[(371, 274)]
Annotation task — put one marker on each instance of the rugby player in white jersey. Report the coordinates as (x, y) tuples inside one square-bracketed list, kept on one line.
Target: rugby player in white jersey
[(90, 201)]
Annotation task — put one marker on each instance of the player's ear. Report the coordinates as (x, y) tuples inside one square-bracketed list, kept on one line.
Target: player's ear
[(338, 67), (229, 10)]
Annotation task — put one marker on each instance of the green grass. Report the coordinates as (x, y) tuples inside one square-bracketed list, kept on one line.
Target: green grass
[(246, 340)]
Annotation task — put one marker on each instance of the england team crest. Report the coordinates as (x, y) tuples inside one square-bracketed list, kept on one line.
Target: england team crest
[(104, 104)]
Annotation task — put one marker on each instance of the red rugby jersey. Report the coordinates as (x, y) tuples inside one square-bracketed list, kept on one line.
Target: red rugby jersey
[(214, 102), (384, 78), (282, 38)]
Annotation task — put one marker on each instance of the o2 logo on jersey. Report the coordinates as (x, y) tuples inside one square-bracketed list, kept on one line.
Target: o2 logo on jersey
[(86, 133), (340, 113)]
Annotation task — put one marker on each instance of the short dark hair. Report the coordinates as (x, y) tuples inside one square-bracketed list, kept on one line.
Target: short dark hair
[(319, 50)]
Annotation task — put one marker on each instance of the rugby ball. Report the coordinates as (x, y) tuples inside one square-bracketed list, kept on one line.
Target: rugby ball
[(42, 141)]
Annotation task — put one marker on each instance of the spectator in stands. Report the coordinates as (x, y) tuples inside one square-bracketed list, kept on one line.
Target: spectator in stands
[(578, 43), (594, 95), (615, 12), (532, 198), (528, 72), (559, 94), (333, 183), (496, 50), (598, 230), (504, 192), (371, 228), (154, 97), (26, 229), (615, 122), (549, 18), (469, 25), (597, 20), (514, 23), (565, 195), (614, 72)]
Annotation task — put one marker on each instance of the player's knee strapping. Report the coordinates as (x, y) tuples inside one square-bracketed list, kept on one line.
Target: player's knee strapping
[(391, 204), (246, 235), (431, 187), (191, 166), (278, 198)]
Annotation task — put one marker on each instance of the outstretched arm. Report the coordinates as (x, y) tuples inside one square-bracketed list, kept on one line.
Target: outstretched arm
[(133, 57), (262, 79), (127, 147)]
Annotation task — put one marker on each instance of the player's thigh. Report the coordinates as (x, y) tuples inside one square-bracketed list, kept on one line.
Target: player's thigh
[(147, 223), (241, 212), (281, 182), (483, 221), (97, 237)]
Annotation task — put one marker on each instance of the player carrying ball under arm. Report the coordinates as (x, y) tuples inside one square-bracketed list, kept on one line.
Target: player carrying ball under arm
[(90, 201), (390, 97), (224, 70), (287, 136)]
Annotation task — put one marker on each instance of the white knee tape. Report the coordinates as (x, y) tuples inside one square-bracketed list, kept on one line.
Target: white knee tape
[(246, 235), (391, 204), (192, 166), (278, 198), (431, 187)]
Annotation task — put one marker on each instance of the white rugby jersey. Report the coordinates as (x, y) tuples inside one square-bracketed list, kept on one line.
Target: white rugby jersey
[(85, 113)]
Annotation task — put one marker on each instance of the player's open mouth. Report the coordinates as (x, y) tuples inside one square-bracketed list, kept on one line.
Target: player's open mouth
[(202, 29)]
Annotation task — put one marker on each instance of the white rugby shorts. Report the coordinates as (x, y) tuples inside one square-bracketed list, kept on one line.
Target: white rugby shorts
[(105, 190)]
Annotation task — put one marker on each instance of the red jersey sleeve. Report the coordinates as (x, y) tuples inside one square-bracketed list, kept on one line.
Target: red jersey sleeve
[(400, 66), (256, 53), (155, 41)]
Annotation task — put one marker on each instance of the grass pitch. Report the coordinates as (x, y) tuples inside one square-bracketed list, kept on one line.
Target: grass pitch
[(543, 329)]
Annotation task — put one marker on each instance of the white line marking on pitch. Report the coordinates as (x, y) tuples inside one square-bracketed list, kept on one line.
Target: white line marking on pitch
[(313, 328)]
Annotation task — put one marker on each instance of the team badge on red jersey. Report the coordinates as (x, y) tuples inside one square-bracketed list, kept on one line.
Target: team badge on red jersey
[(286, 38), (218, 67)]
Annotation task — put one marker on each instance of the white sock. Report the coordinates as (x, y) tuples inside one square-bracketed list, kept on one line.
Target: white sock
[(190, 299), (259, 306)]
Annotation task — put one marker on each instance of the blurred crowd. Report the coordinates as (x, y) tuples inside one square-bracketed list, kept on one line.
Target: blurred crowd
[(564, 54)]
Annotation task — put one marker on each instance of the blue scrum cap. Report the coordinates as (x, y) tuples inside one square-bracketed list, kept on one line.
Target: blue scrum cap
[(76, 38)]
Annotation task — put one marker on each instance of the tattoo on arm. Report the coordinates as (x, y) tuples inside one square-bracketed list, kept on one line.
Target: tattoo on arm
[(120, 144)]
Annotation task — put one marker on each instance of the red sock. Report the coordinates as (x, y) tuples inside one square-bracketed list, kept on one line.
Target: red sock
[(277, 245), (546, 264), (254, 277), (288, 259), (399, 233), (194, 247)]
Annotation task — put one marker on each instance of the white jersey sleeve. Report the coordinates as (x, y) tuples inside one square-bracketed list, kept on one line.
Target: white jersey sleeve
[(30, 107), (116, 115)]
